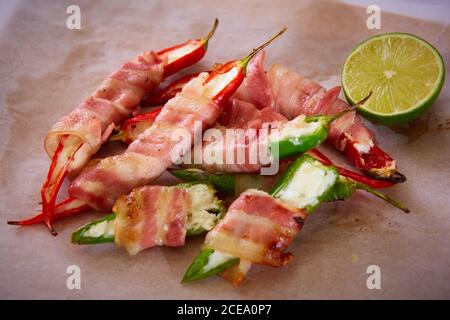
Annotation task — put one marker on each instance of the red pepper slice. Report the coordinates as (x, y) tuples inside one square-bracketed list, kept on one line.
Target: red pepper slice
[(187, 53)]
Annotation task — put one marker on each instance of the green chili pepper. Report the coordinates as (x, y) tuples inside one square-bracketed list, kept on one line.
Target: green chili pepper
[(222, 182), (102, 230), (289, 143), (287, 189), (95, 232), (302, 134), (202, 267)]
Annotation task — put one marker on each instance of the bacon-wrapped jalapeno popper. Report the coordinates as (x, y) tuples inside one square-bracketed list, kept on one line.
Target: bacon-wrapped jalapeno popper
[(155, 215), (259, 226), (76, 137)]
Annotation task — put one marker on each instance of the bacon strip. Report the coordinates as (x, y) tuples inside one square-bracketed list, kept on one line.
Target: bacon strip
[(151, 216), (257, 228), (256, 88), (114, 101), (150, 155), (243, 115)]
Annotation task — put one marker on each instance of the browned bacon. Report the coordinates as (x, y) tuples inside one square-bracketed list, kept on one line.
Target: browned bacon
[(151, 216), (257, 228)]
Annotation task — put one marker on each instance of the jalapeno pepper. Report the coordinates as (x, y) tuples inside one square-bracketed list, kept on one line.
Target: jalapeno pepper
[(102, 230), (295, 191), (221, 181)]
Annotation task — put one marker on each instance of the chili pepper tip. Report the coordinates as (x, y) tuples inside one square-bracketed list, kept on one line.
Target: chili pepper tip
[(249, 57), (395, 177), (382, 196), (50, 228)]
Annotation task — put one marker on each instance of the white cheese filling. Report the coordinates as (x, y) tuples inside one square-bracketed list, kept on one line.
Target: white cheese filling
[(219, 82), (294, 129), (215, 259), (309, 183), (202, 199), (180, 52), (364, 148), (104, 228)]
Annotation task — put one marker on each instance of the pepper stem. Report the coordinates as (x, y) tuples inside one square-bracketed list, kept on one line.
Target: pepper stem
[(244, 62), (210, 34), (382, 196), (352, 108)]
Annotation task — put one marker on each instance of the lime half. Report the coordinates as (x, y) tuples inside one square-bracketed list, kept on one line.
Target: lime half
[(404, 73)]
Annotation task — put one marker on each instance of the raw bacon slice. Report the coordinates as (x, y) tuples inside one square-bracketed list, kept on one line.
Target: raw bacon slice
[(257, 228), (241, 114), (239, 153), (151, 216), (114, 101), (150, 155), (256, 89)]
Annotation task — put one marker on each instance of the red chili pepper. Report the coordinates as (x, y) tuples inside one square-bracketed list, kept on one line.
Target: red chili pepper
[(374, 183), (186, 54)]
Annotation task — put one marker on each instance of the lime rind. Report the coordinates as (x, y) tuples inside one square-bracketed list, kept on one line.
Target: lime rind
[(416, 106)]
